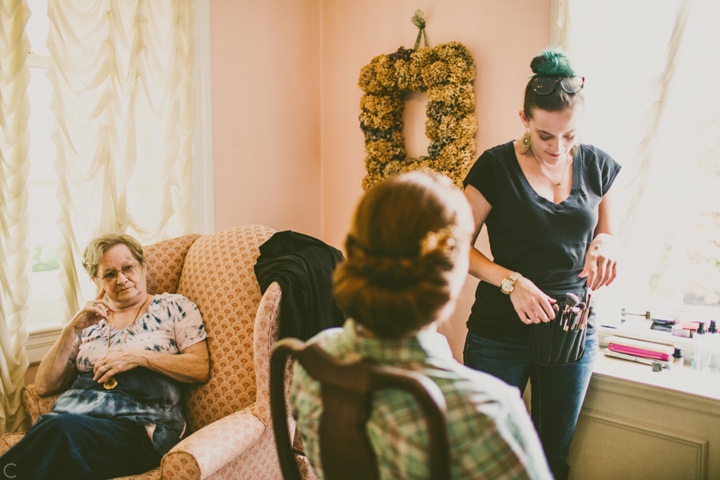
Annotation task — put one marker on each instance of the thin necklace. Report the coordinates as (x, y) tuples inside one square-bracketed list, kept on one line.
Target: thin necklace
[(557, 184), (111, 382)]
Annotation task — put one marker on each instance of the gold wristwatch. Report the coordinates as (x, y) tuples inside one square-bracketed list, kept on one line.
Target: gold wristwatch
[(508, 283)]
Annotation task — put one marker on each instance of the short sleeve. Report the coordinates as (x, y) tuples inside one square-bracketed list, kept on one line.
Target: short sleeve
[(609, 170), (187, 322), (75, 349), (482, 176)]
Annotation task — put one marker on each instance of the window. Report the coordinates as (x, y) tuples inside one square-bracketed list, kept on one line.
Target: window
[(653, 103), (46, 295), (49, 300)]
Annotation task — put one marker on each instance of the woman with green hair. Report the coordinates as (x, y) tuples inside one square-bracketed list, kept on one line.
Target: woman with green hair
[(545, 200)]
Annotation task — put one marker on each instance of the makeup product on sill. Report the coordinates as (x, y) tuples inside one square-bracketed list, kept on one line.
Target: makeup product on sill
[(691, 326), (677, 358), (664, 321), (661, 328), (713, 349), (662, 324), (679, 331), (640, 348), (636, 359), (698, 356)]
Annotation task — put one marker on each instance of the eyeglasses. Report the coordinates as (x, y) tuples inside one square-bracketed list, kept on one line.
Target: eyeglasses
[(547, 85), (112, 275)]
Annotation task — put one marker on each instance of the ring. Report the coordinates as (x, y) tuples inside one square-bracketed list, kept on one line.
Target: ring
[(95, 304)]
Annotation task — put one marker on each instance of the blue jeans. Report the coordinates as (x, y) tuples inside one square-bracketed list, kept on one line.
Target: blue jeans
[(80, 447), (557, 391)]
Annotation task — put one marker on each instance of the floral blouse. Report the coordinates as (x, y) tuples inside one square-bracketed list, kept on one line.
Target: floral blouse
[(171, 324)]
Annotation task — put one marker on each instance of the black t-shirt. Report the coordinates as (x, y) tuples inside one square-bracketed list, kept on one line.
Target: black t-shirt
[(544, 241)]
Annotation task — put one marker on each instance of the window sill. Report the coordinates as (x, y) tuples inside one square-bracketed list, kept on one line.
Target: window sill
[(683, 380), (639, 329), (41, 337), (640, 380)]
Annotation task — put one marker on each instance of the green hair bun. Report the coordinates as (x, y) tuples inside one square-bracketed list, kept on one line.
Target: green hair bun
[(552, 63)]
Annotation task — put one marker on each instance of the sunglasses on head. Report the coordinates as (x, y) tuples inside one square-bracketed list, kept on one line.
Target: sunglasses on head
[(547, 85)]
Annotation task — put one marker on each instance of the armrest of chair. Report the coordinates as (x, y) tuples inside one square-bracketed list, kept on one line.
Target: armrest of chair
[(34, 404), (9, 440), (205, 451)]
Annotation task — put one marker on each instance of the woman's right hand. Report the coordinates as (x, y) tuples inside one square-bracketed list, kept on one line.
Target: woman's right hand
[(92, 313), (531, 304)]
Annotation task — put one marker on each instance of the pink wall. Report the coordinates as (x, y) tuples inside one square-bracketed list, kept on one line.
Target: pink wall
[(503, 36), (266, 113), (288, 148)]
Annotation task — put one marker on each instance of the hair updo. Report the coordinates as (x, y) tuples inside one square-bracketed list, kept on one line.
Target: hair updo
[(553, 64), (402, 248)]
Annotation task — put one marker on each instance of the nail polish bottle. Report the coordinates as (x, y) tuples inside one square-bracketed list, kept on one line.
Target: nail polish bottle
[(677, 358), (713, 347), (699, 361)]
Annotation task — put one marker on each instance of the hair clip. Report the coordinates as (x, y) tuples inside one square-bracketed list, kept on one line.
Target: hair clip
[(443, 240)]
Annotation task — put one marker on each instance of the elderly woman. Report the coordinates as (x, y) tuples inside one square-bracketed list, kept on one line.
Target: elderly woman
[(407, 259), (124, 357)]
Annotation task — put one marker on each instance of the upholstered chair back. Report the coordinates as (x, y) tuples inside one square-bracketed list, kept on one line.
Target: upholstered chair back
[(218, 275), (165, 261)]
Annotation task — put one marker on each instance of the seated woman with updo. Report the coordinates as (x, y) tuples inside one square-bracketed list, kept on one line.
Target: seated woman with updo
[(407, 259), (124, 357)]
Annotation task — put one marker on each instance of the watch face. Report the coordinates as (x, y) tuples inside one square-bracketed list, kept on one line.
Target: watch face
[(507, 285)]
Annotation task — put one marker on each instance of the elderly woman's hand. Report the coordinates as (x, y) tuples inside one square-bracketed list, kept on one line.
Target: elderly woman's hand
[(92, 313), (114, 363), (191, 365)]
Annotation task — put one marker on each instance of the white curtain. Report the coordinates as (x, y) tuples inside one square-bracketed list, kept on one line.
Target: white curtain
[(14, 255), (659, 81), (122, 74), (652, 70)]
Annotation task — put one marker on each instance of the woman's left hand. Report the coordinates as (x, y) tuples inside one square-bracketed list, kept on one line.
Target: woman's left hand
[(600, 262), (114, 363)]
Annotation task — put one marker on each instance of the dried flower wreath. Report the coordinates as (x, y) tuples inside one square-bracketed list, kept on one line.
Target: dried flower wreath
[(446, 72)]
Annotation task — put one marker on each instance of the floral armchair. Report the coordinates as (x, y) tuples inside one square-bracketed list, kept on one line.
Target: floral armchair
[(229, 415)]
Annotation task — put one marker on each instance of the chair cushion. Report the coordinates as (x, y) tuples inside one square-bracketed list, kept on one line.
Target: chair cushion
[(8, 440)]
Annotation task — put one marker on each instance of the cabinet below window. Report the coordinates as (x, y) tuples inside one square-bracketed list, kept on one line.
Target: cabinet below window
[(640, 424)]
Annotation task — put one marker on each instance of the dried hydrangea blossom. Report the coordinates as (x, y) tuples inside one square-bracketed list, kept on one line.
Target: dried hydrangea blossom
[(446, 73)]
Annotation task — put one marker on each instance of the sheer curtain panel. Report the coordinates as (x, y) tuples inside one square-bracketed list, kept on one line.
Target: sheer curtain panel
[(652, 72), (122, 74), (14, 256)]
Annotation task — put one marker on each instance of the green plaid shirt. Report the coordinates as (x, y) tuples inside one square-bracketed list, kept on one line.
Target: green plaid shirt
[(490, 432)]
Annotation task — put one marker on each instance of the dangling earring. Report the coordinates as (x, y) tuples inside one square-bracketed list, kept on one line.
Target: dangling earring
[(526, 140)]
